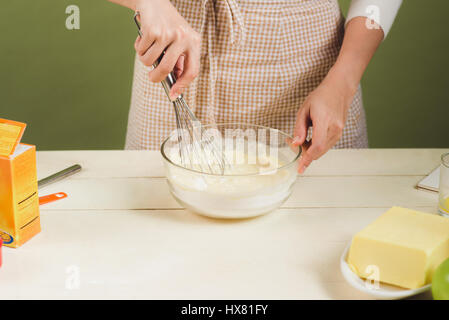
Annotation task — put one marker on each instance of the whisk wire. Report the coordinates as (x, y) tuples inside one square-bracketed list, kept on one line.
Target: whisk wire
[(197, 151), (194, 152)]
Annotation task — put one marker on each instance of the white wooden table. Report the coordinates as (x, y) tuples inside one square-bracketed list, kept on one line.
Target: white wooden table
[(120, 234)]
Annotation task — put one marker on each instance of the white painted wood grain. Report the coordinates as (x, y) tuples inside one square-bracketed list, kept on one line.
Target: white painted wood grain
[(102, 164), (289, 254), (130, 239), (116, 163), (359, 191), (331, 191)]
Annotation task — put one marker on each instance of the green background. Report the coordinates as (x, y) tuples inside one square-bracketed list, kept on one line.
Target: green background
[(73, 87)]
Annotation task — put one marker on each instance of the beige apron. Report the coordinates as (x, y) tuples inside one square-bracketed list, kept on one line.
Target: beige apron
[(259, 61)]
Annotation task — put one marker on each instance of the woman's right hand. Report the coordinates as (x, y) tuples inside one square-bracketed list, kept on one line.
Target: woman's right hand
[(163, 28)]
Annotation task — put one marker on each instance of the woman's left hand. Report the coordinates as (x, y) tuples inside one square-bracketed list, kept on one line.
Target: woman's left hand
[(325, 109)]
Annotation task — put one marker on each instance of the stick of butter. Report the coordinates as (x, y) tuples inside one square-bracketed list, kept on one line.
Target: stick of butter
[(403, 246)]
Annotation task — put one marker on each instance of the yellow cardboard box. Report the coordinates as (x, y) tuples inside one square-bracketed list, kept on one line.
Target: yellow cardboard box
[(19, 200)]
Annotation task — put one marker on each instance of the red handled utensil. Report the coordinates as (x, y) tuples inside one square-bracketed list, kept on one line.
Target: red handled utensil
[(55, 177), (52, 197)]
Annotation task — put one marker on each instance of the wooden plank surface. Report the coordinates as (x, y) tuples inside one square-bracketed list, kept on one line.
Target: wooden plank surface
[(111, 164), (289, 254), (125, 235), (332, 191)]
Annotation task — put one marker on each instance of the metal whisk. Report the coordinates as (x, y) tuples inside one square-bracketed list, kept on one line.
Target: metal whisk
[(197, 149)]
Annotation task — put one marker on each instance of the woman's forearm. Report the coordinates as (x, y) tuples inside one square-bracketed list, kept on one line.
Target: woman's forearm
[(359, 45), (131, 4), (326, 107), (135, 5)]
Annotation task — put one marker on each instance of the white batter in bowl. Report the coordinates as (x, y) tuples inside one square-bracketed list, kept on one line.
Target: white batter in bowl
[(262, 167)]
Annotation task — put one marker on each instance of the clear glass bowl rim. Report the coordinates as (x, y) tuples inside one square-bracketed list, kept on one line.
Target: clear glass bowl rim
[(231, 175)]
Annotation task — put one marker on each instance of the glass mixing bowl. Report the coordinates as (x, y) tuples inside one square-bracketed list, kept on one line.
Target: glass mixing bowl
[(261, 170)]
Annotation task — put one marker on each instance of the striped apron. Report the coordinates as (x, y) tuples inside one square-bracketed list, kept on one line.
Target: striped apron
[(259, 61)]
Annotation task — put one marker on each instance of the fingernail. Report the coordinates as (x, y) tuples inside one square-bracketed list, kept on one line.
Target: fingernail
[(303, 168), (296, 140)]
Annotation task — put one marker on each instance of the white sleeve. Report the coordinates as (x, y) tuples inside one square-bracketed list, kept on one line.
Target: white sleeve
[(383, 12)]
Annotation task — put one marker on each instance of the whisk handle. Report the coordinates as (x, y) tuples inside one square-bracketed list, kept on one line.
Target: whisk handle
[(170, 80)]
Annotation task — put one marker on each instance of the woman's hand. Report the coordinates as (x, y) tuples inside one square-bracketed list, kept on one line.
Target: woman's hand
[(163, 28), (325, 109)]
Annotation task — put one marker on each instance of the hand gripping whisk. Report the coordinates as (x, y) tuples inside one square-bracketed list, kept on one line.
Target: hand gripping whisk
[(197, 148)]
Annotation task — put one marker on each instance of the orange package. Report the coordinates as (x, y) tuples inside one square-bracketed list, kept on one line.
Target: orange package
[(11, 133), (19, 201)]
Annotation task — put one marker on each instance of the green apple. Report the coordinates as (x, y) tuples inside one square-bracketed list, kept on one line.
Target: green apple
[(440, 282)]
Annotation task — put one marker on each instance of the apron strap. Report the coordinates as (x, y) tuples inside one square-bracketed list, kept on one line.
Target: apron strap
[(234, 35)]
